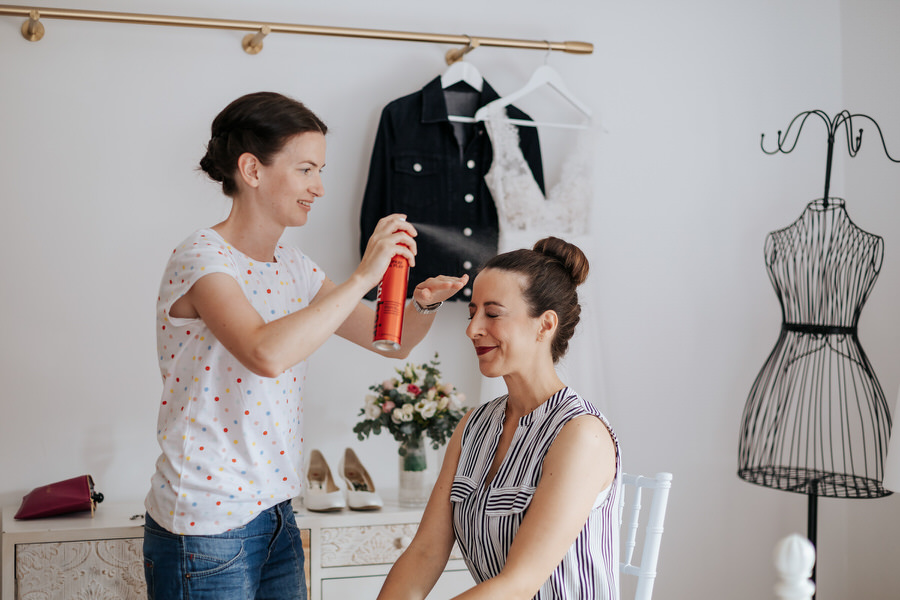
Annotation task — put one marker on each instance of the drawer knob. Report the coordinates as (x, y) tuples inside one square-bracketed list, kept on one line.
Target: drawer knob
[(402, 542)]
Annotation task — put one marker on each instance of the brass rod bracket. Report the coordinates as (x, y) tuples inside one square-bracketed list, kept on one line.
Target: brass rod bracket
[(33, 29), (253, 42), (456, 54)]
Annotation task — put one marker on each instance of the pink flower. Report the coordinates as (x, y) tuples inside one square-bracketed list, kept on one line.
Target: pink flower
[(413, 389), (388, 406), (387, 385)]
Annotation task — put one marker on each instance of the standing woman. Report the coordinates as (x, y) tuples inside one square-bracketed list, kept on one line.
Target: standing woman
[(530, 480), (238, 314)]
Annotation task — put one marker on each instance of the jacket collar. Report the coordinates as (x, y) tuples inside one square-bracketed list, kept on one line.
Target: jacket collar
[(434, 107)]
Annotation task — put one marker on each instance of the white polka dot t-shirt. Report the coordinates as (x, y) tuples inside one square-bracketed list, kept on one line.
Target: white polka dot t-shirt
[(231, 440)]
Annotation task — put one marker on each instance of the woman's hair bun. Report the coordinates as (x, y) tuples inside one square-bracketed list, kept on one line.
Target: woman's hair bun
[(209, 164), (570, 255)]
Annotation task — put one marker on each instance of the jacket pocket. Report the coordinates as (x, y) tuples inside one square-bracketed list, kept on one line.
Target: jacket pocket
[(418, 183)]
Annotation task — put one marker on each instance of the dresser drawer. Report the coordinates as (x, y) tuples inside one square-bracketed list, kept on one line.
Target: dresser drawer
[(365, 545), (368, 544), (450, 584)]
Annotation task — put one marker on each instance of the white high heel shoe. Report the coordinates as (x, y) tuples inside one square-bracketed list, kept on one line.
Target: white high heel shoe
[(322, 495), (361, 494)]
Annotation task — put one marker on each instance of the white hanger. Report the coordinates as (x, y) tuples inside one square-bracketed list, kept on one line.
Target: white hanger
[(543, 75), (462, 71)]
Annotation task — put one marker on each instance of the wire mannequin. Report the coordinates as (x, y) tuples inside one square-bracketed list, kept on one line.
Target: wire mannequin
[(816, 421)]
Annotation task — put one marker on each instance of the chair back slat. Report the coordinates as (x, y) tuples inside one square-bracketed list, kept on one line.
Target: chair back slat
[(630, 528), (642, 566)]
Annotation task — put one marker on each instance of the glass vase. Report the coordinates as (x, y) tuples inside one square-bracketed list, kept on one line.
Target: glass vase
[(415, 485)]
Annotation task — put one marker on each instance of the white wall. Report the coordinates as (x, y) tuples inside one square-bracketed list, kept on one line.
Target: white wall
[(871, 87), (101, 126)]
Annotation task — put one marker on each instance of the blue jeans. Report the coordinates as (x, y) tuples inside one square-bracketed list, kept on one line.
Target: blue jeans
[(263, 560)]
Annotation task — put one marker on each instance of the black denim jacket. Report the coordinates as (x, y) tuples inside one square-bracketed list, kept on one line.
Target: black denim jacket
[(418, 168)]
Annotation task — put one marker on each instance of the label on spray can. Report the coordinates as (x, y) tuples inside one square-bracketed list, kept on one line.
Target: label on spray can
[(390, 303)]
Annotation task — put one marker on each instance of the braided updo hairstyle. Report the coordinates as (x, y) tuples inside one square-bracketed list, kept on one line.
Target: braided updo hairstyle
[(259, 123), (553, 269)]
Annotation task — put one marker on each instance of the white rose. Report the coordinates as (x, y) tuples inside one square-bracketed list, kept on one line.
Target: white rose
[(397, 415), (443, 402), (456, 401), (372, 411), (426, 408), (408, 410)]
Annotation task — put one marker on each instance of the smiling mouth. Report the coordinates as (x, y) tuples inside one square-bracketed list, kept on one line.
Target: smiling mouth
[(481, 350), (304, 203)]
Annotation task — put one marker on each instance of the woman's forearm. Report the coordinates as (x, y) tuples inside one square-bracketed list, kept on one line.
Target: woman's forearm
[(413, 576)]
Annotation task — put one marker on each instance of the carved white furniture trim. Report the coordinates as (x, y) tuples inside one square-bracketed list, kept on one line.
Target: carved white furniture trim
[(367, 545), (77, 557), (89, 570)]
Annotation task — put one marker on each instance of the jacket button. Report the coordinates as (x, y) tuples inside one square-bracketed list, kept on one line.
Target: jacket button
[(467, 232), (469, 198), (417, 167), (467, 265), (467, 292), (471, 164)]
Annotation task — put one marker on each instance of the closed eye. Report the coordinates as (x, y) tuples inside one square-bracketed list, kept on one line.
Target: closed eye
[(488, 315)]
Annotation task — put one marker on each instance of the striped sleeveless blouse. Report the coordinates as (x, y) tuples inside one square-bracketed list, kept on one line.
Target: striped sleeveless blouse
[(486, 518)]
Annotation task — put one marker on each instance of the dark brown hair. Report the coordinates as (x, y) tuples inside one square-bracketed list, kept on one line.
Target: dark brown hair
[(259, 123), (553, 269)]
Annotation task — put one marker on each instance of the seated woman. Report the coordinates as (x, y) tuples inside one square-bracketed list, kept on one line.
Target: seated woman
[(530, 481)]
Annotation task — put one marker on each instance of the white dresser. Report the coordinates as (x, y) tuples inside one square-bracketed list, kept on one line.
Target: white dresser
[(75, 557)]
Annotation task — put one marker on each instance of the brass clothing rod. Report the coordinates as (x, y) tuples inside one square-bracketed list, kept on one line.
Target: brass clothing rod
[(33, 14)]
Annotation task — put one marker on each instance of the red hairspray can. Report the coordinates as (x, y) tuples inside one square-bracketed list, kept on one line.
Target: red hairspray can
[(391, 300)]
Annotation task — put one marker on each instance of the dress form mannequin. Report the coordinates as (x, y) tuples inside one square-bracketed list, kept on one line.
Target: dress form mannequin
[(816, 421)]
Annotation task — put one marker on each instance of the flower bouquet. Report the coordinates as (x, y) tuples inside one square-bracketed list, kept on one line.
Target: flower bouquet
[(410, 406)]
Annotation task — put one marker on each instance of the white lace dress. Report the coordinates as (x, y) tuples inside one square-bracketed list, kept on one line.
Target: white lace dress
[(526, 215)]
